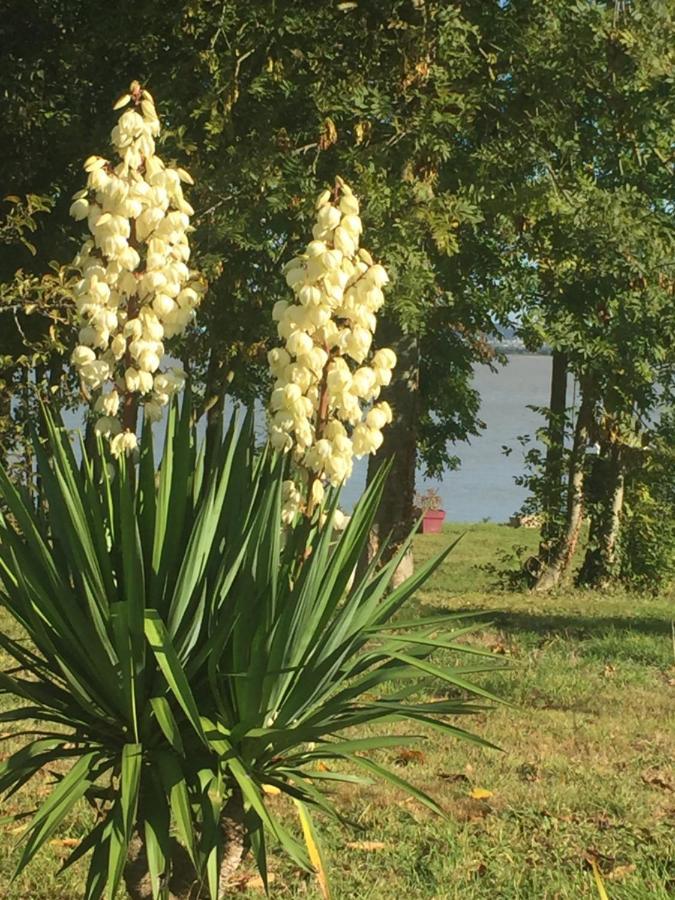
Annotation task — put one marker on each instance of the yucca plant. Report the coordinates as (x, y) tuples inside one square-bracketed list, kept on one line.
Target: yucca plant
[(182, 655)]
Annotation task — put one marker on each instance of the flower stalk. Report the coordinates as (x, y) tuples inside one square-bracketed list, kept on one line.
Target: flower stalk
[(135, 289), (327, 381)]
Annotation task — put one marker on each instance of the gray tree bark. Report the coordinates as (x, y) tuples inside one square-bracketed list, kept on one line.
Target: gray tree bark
[(554, 469), (600, 559), (560, 555), (182, 882)]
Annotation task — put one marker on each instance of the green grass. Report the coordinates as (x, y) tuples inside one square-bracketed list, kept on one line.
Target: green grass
[(585, 768)]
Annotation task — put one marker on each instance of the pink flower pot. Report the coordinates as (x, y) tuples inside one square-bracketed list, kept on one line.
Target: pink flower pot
[(432, 523)]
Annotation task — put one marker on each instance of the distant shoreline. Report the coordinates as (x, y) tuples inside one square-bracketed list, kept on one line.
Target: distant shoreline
[(517, 349)]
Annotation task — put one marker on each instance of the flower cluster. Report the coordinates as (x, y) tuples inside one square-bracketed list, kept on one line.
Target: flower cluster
[(135, 288), (323, 405)]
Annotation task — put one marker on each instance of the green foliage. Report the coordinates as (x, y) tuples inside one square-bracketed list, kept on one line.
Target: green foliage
[(647, 543), (183, 650), (35, 317), (266, 103)]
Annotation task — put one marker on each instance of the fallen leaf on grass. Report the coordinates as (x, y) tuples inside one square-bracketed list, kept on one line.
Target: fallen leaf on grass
[(528, 772), (251, 883), (368, 846), (453, 777), (480, 794), (620, 872), (64, 842), (656, 778), (405, 757), (476, 869)]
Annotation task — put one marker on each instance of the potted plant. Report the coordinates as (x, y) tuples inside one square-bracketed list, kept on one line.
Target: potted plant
[(428, 505)]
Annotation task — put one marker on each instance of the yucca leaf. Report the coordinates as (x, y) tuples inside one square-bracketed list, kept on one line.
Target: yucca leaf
[(175, 787), (119, 613), (256, 834), (57, 806), (124, 815), (167, 722), (98, 866), (432, 621), (396, 780), (448, 729), (89, 841), (253, 797), (448, 676), (314, 850), (133, 567), (26, 762), (146, 498), (209, 839), (437, 643), (157, 824), (167, 659), (332, 749)]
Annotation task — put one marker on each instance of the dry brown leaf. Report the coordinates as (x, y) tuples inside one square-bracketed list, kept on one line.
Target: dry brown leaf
[(620, 872), (368, 846), (453, 777), (657, 778), (405, 757), (253, 883), (64, 842)]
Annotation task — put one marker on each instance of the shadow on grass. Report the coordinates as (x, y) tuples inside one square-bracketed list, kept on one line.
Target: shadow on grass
[(577, 627)]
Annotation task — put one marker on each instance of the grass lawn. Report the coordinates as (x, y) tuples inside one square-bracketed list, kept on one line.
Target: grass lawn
[(585, 772)]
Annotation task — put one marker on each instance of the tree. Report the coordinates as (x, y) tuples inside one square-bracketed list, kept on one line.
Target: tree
[(268, 102), (34, 320), (586, 116)]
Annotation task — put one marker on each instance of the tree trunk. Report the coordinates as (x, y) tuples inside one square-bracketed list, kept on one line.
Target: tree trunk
[(183, 881), (561, 553), (395, 517), (553, 470), (600, 558)]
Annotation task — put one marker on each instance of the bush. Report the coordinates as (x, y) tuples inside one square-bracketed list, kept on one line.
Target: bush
[(647, 544)]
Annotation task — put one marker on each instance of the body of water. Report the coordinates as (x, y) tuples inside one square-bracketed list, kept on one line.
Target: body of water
[(483, 487)]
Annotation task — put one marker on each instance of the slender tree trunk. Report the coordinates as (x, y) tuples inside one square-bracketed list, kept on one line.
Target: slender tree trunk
[(395, 516), (561, 554), (554, 469), (182, 881), (600, 558)]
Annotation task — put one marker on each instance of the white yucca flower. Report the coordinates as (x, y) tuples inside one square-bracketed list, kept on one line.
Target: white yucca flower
[(135, 288), (322, 407)]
